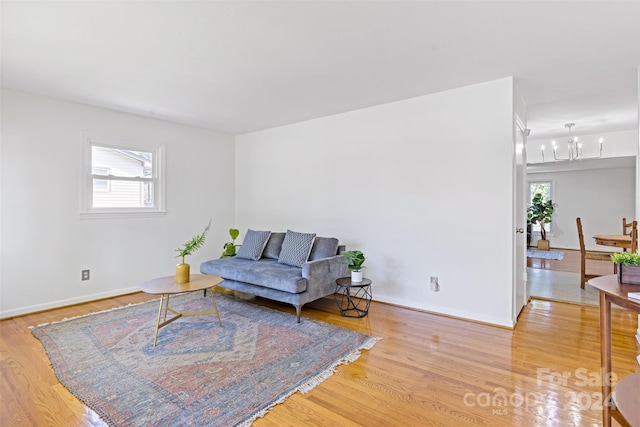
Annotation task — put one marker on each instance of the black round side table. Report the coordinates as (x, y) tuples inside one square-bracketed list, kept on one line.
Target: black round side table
[(353, 298)]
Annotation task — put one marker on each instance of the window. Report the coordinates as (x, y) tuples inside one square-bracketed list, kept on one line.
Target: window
[(100, 185), (546, 189), (122, 180)]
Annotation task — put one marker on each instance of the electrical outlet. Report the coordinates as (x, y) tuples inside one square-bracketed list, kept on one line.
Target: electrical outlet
[(85, 275), (435, 286)]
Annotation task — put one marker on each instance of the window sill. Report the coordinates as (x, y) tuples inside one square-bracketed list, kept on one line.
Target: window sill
[(120, 214)]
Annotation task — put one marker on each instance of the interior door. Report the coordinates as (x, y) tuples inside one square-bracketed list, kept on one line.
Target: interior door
[(520, 294)]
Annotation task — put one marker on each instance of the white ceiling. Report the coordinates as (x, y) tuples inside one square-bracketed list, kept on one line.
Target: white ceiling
[(241, 66)]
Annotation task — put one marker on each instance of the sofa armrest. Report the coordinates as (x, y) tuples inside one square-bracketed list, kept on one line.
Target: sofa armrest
[(321, 274)]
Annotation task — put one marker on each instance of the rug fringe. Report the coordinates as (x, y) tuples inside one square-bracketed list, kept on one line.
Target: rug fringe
[(66, 319), (314, 381)]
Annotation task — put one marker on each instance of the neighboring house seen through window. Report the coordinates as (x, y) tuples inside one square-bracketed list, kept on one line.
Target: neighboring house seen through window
[(122, 180), (100, 185)]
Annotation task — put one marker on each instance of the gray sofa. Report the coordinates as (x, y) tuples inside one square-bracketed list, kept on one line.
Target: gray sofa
[(268, 278)]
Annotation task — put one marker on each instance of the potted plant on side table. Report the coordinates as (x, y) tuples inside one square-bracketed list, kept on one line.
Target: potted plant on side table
[(354, 261), (183, 269), (540, 213), (628, 267)]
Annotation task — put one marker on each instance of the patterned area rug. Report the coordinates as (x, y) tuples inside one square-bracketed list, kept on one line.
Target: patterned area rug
[(534, 253), (199, 374)]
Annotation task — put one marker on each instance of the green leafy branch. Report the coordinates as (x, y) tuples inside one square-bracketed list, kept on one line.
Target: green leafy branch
[(194, 244)]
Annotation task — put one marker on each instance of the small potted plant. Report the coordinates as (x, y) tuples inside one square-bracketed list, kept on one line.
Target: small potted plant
[(628, 267), (354, 261), (183, 269), (230, 247), (540, 213)]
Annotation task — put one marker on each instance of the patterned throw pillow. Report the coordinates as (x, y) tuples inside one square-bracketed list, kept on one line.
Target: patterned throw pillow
[(296, 248), (253, 244)]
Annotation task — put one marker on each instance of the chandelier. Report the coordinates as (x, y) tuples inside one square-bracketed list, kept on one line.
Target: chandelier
[(574, 147)]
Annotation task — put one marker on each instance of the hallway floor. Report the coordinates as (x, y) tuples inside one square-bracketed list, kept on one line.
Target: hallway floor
[(559, 280), (559, 286)]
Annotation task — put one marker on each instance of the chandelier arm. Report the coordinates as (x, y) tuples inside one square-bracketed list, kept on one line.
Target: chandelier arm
[(560, 159), (573, 148), (599, 156)]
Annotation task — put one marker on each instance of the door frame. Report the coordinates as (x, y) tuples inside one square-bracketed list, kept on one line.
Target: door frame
[(520, 288)]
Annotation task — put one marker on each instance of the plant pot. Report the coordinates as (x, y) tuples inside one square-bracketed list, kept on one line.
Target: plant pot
[(356, 276), (543, 245), (182, 273), (629, 274)]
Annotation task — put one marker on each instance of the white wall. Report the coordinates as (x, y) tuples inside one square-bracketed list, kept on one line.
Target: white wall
[(423, 186), (601, 196), (44, 243)]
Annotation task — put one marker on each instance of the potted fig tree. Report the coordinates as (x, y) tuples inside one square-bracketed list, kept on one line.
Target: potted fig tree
[(540, 213)]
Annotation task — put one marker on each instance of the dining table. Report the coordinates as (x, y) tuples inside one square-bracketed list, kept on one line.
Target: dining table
[(616, 240)]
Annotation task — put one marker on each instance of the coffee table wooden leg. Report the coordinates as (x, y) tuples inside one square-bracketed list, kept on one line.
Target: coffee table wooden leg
[(155, 337), (215, 306), (166, 308)]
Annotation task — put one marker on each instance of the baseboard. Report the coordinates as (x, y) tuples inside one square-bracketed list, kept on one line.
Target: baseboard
[(65, 302), (442, 311)]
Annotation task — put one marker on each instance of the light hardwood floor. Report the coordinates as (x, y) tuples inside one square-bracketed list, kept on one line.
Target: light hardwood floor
[(427, 370)]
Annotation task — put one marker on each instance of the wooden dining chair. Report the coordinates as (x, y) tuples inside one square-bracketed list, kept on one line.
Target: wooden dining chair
[(627, 229), (634, 237), (585, 255)]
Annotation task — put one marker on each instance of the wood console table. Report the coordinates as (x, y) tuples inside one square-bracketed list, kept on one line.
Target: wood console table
[(625, 405)]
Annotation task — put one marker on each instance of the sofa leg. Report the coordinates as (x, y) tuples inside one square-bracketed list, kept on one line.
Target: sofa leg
[(298, 310)]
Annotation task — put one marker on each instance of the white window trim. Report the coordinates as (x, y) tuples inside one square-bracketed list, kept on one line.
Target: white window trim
[(86, 196)]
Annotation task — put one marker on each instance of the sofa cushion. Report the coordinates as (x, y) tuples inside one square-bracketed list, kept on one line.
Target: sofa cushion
[(323, 247), (266, 272), (274, 244), (253, 244), (296, 248)]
